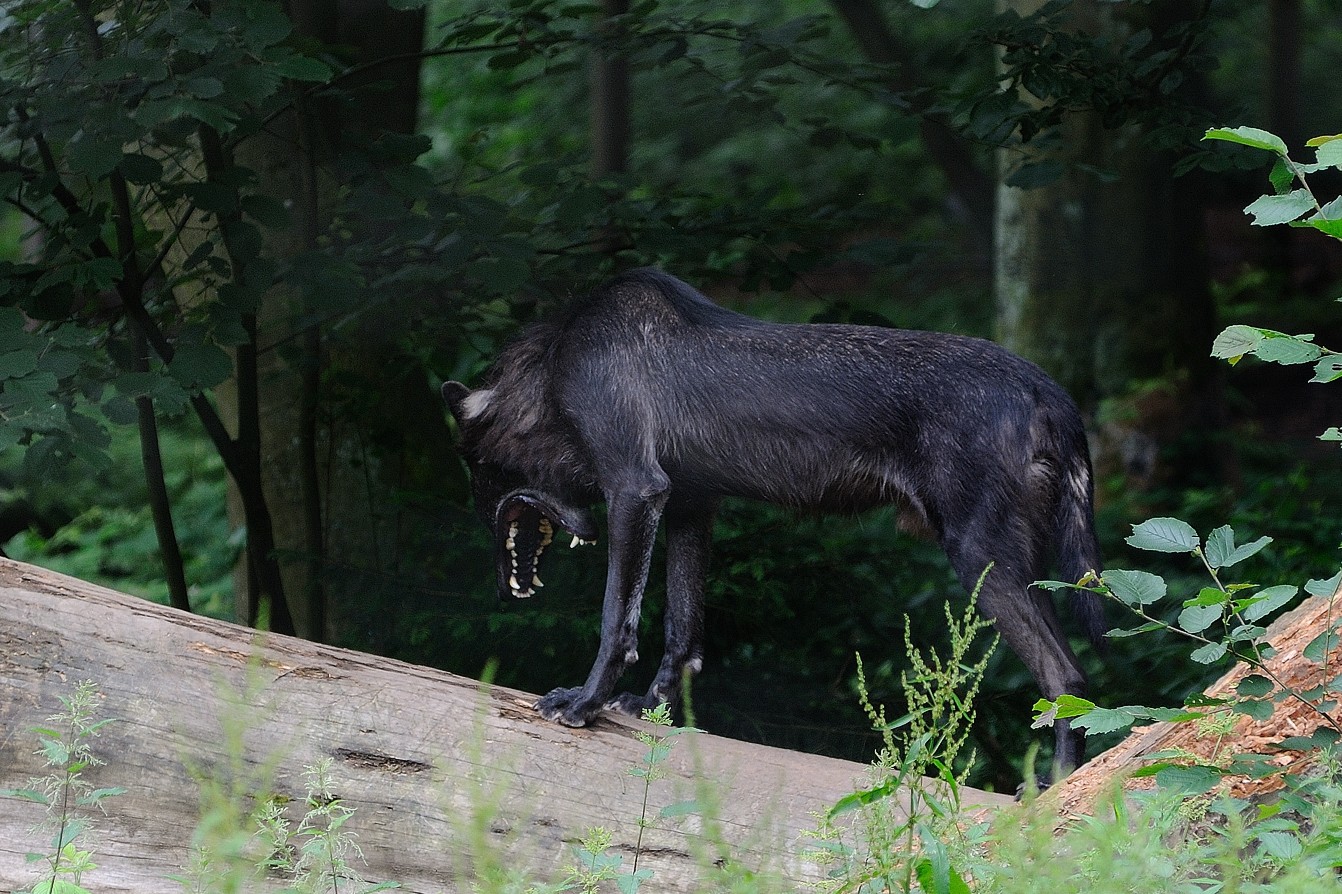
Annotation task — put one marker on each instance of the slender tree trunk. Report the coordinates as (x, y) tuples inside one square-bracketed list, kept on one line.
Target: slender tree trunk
[(1283, 108), (160, 506), (610, 95)]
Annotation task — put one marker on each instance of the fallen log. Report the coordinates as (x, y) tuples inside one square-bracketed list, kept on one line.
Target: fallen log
[(433, 764)]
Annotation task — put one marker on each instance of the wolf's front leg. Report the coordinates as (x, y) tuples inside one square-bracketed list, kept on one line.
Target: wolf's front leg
[(689, 532), (632, 521)]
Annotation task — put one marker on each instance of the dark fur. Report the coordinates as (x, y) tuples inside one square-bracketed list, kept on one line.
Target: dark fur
[(650, 397)]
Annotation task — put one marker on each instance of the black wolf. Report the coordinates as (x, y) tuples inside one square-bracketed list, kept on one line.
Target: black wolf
[(650, 397)]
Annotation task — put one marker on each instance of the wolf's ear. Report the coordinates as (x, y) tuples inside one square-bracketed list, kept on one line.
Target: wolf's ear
[(465, 403), (455, 393)]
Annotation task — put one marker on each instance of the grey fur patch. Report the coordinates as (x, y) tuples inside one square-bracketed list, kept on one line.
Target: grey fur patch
[(477, 403)]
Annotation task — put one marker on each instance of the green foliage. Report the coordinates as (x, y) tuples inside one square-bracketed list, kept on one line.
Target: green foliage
[(316, 853), (1294, 202), (97, 526), (1222, 621), (66, 746), (910, 819)]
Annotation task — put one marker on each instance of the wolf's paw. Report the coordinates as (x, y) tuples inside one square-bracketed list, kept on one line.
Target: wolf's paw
[(567, 706), (633, 705)]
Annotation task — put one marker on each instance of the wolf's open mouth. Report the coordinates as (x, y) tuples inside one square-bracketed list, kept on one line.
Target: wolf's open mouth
[(526, 527)]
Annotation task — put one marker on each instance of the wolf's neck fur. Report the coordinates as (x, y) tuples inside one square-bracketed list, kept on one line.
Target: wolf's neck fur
[(518, 422)]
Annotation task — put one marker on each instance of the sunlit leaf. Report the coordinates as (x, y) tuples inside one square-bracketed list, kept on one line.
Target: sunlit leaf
[(1134, 587), (1273, 210), (1165, 535), (1248, 136)]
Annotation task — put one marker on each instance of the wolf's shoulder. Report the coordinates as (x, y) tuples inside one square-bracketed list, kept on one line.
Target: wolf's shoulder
[(648, 294)]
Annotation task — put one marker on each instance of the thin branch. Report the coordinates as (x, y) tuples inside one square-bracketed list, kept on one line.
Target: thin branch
[(160, 506)]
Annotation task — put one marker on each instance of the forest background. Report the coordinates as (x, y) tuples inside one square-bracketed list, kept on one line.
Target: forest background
[(242, 242)]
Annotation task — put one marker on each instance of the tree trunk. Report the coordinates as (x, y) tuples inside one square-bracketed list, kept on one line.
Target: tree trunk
[(433, 764), (1101, 281), (609, 81), (349, 425)]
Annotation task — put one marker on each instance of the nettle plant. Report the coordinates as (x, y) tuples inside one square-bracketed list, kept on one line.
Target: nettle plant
[(1226, 619)]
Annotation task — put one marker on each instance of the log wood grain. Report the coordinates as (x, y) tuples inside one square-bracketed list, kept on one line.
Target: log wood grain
[(422, 755)]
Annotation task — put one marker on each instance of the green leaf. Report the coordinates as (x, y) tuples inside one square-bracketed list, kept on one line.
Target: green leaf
[(1254, 686), (1323, 225), (1268, 601), (1270, 211), (1209, 653), (681, 808), (1329, 152), (1281, 176), (1259, 710), (93, 157), (1280, 846), (1288, 349), (200, 366), (855, 800), (1064, 707), (1220, 546), (1321, 646), (1209, 596), (938, 876), (1236, 341), (1135, 631), (1297, 743), (1324, 587), (1134, 587), (1328, 369), (1106, 720), (1188, 780), (204, 87), (26, 794), (1248, 136), (1331, 211), (16, 364), (304, 68), (140, 168), (1197, 618), (1164, 535)]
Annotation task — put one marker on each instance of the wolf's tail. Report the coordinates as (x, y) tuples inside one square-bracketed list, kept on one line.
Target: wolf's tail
[(1078, 547)]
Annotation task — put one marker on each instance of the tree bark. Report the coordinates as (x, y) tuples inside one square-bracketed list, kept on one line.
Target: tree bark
[(424, 757)]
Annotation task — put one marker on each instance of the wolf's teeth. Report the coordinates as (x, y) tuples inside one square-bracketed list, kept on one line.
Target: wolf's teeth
[(512, 582), (578, 541), (536, 581)]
